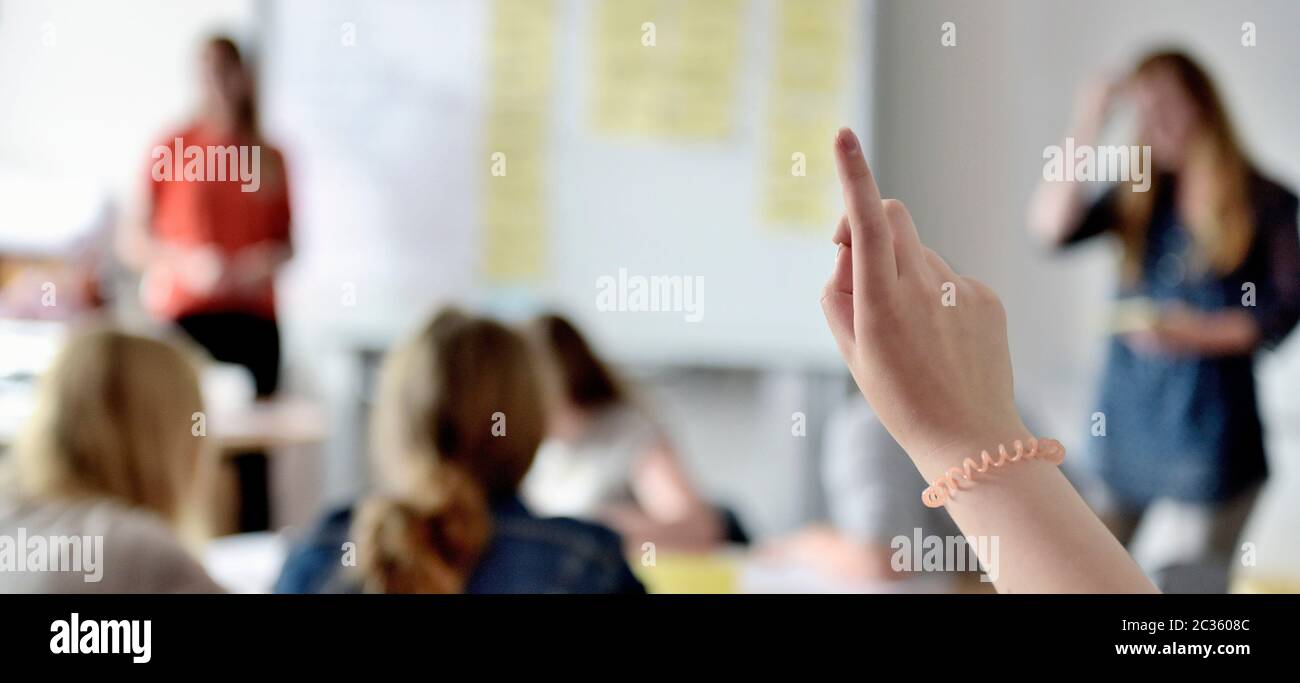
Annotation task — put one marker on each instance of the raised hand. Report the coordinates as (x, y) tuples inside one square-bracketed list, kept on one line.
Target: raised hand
[(939, 379), (927, 347), (1094, 100)]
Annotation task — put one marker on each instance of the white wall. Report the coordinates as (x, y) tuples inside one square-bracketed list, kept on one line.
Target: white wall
[(88, 86)]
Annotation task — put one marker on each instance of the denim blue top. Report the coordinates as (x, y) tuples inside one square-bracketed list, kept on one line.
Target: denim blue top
[(1188, 427), (526, 554)]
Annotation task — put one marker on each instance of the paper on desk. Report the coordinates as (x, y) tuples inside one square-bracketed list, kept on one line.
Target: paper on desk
[(1135, 314)]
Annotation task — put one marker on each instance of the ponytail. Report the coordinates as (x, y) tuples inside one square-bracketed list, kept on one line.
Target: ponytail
[(440, 459), (426, 542)]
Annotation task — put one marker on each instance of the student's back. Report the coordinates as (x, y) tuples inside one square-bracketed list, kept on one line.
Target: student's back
[(526, 554), (456, 426), (105, 473), (94, 546)]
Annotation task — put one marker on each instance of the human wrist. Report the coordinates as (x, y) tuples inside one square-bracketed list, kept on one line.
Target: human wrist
[(952, 452)]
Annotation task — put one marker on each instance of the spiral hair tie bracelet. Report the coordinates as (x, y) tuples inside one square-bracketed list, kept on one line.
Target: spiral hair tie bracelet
[(944, 487)]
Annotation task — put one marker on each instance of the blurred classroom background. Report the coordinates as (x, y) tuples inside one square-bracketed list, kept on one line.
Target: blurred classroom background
[(389, 113)]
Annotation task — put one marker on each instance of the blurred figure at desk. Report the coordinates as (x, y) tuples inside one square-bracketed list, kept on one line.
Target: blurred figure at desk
[(872, 493), (209, 250), (605, 459)]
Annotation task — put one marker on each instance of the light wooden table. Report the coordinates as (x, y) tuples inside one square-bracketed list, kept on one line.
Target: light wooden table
[(262, 425)]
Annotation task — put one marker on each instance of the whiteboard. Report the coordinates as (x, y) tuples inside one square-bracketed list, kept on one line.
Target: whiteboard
[(384, 143)]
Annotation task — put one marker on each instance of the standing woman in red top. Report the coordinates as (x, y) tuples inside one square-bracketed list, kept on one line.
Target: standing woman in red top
[(212, 232)]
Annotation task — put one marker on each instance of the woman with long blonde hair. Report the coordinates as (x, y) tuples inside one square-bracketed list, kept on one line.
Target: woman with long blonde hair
[(110, 458), (455, 429), (1210, 276)]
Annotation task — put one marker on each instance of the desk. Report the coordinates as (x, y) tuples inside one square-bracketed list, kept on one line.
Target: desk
[(262, 425), (235, 421), (285, 434), (266, 425), (737, 570)]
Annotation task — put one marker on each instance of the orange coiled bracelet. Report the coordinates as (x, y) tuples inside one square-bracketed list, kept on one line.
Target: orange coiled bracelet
[(944, 487)]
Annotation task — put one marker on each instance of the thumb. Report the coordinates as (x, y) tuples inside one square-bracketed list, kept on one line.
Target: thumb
[(837, 304)]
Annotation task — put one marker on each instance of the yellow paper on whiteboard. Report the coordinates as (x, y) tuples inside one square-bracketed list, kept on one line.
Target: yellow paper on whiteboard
[(798, 189), (665, 68), (521, 60), (805, 105), (513, 251)]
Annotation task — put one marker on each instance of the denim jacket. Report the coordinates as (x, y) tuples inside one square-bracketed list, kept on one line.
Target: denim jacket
[(526, 554)]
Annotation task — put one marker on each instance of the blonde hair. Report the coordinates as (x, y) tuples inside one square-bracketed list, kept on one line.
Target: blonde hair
[(458, 421), (113, 419), (1222, 224)]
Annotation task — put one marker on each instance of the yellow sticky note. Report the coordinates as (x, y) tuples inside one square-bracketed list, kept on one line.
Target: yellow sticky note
[(653, 59), (690, 573), (520, 79), (809, 75)]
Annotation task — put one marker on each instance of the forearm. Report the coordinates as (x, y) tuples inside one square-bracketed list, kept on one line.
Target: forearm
[(258, 264), (1210, 334), (939, 378), (1056, 208), (694, 532), (1231, 333), (1047, 539), (662, 489), (134, 246)]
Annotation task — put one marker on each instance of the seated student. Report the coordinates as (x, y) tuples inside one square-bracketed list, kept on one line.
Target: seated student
[(939, 379), (107, 463), (605, 459), (457, 424), (871, 494)]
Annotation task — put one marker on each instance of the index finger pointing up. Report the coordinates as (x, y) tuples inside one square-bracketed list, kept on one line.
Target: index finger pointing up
[(874, 266)]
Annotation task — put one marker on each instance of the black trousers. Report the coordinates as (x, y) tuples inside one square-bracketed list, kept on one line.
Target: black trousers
[(253, 342)]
